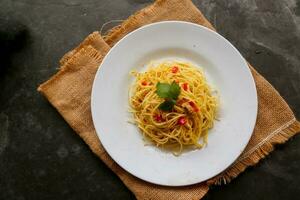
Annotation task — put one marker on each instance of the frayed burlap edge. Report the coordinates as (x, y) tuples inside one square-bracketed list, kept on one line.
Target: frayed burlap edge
[(86, 50), (279, 136), (112, 35), (117, 30)]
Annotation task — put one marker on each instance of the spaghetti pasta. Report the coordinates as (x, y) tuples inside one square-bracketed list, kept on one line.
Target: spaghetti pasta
[(192, 115)]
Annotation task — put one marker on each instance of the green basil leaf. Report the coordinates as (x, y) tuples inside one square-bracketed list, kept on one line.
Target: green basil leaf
[(170, 93), (174, 91), (165, 90), (167, 105), (162, 89)]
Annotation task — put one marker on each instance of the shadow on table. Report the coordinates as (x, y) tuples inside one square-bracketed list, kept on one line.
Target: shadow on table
[(13, 38)]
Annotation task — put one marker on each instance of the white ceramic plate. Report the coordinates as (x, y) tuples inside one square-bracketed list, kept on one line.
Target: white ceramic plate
[(226, 70)]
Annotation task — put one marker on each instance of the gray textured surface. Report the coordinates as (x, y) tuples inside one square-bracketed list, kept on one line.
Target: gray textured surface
[(41, 157)]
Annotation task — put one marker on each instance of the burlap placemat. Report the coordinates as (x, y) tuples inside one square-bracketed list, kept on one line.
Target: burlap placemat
[(69, 92)]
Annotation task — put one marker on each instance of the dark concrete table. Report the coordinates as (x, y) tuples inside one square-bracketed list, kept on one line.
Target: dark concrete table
[(42, 158)]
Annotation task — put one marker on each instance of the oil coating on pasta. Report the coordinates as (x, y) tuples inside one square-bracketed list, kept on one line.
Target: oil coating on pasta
[(189, 121)]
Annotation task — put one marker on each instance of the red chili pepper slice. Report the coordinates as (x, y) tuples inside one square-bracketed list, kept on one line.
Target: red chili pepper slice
[(185, 86), (158, 117), (175, 69), (144, 83), (194, 106), (182, 121)]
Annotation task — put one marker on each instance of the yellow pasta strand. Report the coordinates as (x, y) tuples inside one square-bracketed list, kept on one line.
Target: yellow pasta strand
[(195, 104)]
